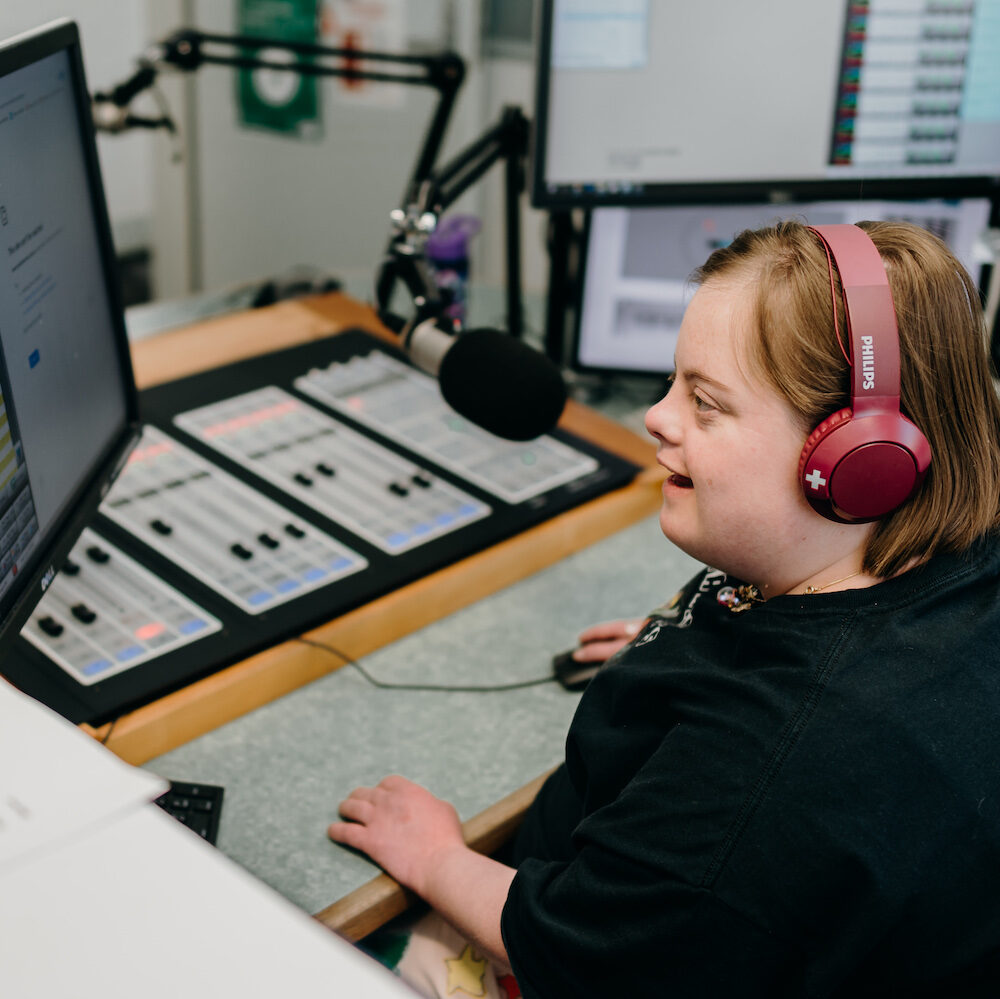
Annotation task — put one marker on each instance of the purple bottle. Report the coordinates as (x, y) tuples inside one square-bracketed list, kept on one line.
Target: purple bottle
[(448, 254)]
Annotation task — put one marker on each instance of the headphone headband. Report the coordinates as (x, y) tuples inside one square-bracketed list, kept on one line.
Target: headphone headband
[(871, 317)]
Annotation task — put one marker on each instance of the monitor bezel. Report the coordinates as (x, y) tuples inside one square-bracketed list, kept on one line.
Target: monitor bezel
[(18, 603), (778, 191)]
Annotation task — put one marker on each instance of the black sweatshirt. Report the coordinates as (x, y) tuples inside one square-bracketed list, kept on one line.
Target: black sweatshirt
[(799, 800)]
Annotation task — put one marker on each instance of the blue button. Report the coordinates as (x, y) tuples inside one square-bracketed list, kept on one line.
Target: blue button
[(260, 597), (33, 358), (286, 585), (311, 575), (468, 509), (398, 538), (341, 563), (444, 519), (130, 653), (422, 528), (97, 666), (191, 625)]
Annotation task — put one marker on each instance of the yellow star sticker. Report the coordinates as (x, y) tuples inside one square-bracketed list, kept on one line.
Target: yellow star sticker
[(466, 973)]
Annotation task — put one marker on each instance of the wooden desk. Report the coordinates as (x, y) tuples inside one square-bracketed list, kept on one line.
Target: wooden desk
[(232, 692)]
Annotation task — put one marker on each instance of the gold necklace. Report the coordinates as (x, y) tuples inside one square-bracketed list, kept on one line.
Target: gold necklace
[(738, 599), (833, 582)]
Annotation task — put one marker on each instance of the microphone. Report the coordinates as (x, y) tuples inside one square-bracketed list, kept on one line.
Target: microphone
[(490, 378)]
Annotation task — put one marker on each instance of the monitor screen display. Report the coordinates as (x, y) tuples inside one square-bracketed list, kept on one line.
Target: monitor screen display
[(67, 400), (636, 273), (644, 101)]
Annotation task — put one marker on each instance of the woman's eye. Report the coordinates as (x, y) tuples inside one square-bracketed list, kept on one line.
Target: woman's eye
[(702, 405)]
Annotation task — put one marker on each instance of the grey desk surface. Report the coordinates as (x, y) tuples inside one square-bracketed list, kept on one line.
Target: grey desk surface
[(287, 765)]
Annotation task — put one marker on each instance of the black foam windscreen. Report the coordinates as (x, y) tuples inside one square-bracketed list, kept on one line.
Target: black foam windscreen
[(502, 384)]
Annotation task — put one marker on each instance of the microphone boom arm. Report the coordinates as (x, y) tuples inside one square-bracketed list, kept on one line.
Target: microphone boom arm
[(406, 254), (429, 191), (188, 50)]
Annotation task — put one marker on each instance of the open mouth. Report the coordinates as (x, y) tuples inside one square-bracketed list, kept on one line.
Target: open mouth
[(681, 481)]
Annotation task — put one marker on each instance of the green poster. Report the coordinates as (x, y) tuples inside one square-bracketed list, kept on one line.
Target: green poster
[(282, 101)]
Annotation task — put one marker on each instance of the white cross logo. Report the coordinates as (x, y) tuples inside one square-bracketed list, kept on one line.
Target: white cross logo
[(815, 479)]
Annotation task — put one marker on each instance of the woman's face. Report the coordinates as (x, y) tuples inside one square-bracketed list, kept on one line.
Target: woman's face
[(731, 447)]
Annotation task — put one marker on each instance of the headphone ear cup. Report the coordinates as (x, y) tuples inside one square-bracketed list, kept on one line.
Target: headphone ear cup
[(814, 478), (829, 424), (855, 470)]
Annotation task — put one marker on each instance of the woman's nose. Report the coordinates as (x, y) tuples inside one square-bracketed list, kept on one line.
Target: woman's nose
[(661, 418)]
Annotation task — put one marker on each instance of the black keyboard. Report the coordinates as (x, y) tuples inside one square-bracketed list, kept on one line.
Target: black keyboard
[(196, 805)]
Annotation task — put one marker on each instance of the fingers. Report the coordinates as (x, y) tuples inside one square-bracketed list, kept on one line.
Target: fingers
[(395, 783), (359, 808), (600, 642), (348, 833), (611, 631), (601, 632), (356, 809), (597, 652), (362, 801), (363, 794)]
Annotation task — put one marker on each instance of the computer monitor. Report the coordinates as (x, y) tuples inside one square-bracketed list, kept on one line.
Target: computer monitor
[(635, 272), (68, 412), (650, 102)]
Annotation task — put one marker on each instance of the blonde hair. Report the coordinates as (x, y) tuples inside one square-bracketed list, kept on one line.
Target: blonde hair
[(946, 387)]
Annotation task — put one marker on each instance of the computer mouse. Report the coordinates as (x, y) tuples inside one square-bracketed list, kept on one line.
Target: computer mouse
[(571, 674)]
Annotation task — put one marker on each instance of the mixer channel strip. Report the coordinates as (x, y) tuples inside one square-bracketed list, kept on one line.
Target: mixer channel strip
[(350, 479), (248, 549), (104, 614), (406, 406)]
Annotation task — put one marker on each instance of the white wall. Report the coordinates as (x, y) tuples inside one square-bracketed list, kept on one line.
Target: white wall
[(266, 202)]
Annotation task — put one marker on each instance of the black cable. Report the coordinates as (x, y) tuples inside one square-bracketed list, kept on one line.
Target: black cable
[(384, 685), (440, 688), (111, 728)]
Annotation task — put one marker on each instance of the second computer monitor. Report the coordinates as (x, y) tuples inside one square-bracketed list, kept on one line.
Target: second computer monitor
[(638, 264)]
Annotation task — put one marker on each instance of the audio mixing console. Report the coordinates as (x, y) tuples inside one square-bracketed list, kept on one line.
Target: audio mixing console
[(270, 496)]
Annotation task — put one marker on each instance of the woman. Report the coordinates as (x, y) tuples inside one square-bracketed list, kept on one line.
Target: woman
[(788, 783)]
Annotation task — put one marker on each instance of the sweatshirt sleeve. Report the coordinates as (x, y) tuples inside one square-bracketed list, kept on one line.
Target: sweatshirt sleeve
[(599, 927)]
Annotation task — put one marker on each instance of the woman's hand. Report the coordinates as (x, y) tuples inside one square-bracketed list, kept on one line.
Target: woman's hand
[(405, 829), (600, 642), (417, 839)]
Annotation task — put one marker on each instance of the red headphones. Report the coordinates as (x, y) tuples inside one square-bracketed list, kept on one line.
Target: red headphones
[(864, 461)]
